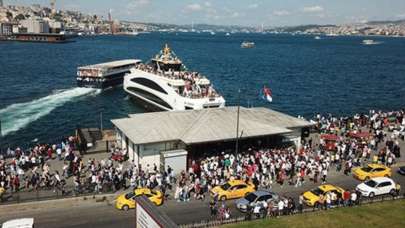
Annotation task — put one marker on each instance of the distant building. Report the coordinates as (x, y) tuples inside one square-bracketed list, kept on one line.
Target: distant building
[(55, 26), (35, 25), (6, 28)]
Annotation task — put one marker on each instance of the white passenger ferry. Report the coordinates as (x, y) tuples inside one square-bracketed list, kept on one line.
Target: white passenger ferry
[(105, 75), (165, 84)]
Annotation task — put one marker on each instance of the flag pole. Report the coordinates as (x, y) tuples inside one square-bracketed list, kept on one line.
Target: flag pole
[(1, 138), (237, 127), (101, 121)]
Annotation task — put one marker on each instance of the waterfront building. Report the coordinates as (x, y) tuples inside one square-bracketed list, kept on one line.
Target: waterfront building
[(55, 26), (6, 28), (179, 137), (33, 25)]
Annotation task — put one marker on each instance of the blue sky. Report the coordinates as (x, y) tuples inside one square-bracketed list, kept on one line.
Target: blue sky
[(237, 12)]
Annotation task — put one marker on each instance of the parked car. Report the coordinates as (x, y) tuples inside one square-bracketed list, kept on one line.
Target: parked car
[(378, 186), (233, 189), (401, 170), (254, 198), (371, 171), (126, 201), (19, 223), (312, 197)]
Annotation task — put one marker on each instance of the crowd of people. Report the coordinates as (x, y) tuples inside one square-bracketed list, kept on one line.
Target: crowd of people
[(31, 170), (264, 167), (312, 162)]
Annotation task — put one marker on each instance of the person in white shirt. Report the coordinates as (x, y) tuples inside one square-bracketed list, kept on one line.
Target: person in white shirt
[(280, 207)]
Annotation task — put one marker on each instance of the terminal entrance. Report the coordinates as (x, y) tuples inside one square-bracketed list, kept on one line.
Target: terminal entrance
[(198, 152)]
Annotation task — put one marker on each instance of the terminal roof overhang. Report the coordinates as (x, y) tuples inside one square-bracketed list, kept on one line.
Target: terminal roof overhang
[(208, 125)]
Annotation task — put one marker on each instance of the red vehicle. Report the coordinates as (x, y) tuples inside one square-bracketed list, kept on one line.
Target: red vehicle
[(362, 138), (330, 141), (117, 156), (359, 135)]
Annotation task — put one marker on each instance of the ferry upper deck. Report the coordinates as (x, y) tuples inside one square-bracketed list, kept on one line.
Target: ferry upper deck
[(101, 69)]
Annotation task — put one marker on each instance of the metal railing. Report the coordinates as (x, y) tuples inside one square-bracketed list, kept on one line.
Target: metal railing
[(235, 220), (43, 194)]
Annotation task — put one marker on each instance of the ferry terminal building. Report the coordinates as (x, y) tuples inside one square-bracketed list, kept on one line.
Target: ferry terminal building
[(177, 138)]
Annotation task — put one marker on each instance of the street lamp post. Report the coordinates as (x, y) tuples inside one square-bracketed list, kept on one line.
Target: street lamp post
[(237, 127)]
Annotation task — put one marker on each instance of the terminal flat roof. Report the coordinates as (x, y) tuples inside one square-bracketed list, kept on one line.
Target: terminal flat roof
[(111, 64), (207, 125)]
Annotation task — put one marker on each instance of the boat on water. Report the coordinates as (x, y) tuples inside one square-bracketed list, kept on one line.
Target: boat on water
[(317, 38), (165, 84), (370, 42), (247, 44), (104, 75), (227, 34)]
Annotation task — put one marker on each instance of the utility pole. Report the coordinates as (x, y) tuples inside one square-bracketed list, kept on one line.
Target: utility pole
[(237, 127)]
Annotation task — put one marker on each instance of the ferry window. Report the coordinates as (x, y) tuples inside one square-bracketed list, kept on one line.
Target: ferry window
[(148, 83)]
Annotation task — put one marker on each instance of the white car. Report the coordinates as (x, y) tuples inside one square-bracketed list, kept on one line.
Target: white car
[(19, 223), (377, 186)]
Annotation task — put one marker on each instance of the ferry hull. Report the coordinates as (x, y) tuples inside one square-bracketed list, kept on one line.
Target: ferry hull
[(146, 105)]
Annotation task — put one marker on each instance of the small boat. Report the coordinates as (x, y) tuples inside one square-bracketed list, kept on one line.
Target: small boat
[(317, 37), (247, 44), (212, 33), (227, 34), (370, 42)]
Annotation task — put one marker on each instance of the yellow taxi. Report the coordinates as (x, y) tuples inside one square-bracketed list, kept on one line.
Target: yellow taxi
[(312, 197), (2, 191), (232, 190), (126, 201), (370, 171)]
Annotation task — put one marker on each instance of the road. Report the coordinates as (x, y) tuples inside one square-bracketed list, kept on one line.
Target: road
[(88, 213)]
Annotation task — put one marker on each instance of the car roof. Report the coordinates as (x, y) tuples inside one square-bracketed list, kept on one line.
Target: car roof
[(263, 193), (235, 182), (326, 187), (142, 191), (377, 166), (19, 223), (381, 179)]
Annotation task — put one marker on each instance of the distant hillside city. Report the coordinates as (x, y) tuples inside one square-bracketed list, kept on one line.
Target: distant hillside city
[(36, 19)]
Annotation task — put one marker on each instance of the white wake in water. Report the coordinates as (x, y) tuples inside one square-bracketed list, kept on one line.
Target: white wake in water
[(17, 116)]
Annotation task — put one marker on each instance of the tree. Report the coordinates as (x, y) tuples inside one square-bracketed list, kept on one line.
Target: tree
[(9, 15), (20, 17)]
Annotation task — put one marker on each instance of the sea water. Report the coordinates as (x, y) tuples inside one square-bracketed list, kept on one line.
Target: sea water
[(339, 75)]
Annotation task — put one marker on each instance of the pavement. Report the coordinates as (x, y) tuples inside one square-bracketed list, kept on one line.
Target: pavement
[(49, 194), (76, 212), (89, 212)]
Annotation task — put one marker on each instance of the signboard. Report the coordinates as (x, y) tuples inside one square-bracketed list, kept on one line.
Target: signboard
[(144, 220), (147, 215)]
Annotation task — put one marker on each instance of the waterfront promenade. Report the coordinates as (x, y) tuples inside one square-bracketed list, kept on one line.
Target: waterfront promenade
[(103, 214)]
